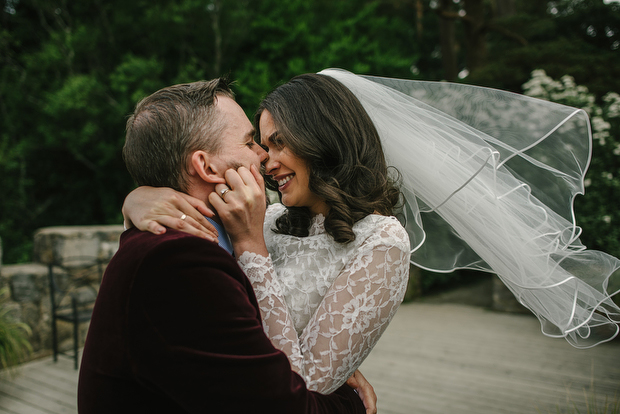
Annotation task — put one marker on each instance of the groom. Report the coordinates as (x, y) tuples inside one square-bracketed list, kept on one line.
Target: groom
[(176, 327)]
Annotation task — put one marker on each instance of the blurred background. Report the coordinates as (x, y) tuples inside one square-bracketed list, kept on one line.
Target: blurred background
[(71, 72)]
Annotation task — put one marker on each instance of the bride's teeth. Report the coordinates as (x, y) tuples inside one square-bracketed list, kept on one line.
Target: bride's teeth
[(285, 180)]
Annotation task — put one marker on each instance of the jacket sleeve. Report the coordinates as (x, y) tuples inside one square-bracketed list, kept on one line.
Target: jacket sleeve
[(196, 335)]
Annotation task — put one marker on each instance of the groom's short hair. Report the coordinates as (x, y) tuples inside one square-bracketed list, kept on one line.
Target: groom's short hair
[(168, 126)]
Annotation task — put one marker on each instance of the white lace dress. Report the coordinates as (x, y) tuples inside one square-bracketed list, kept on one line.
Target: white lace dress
[(325, 304)]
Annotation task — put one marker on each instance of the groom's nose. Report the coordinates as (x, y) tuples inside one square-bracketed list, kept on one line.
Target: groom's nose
[(262, 154)]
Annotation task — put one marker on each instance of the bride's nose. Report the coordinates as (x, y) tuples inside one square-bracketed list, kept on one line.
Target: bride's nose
[(271, 165)]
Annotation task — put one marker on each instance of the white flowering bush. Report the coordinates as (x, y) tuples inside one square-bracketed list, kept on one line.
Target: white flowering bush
[(597, 213)]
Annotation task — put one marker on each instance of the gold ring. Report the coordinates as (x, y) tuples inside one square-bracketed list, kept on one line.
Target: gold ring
[(184, 216), (223, 192)]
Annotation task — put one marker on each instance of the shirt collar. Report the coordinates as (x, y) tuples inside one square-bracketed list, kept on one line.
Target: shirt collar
[(223, 240)]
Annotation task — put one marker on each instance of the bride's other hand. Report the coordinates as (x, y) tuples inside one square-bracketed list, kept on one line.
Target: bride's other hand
[(241, 206), (366, 392), (155, 208)]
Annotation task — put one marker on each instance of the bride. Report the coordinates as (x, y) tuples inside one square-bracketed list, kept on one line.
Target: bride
[(488, 180)]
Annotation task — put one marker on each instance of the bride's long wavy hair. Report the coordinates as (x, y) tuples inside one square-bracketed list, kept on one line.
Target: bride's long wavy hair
[(322, 122)]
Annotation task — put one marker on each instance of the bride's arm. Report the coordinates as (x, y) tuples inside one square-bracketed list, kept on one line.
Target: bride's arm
[(155, 208), (356, 309), (352, 316)]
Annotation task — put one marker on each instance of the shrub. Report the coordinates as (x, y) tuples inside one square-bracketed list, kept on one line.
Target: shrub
[(14, 344)]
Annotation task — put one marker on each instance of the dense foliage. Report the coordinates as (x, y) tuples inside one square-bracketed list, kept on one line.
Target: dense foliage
[(70, 73)]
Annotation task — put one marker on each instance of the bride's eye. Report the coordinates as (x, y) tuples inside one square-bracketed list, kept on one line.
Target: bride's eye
[(277, 142), (273, 141)]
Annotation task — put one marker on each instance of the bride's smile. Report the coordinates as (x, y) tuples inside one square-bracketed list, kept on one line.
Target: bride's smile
[(283, 181)]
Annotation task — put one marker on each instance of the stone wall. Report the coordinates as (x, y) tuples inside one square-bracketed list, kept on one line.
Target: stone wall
[(78, 255)]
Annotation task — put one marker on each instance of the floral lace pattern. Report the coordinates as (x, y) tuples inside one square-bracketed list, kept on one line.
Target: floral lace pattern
[(325, 304)]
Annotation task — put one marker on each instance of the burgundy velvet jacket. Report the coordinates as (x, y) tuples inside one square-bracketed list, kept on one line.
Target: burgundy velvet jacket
[(176, 329)]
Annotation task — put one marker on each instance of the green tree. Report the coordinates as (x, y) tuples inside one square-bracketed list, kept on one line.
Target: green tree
[(567, 37), (364, 37)]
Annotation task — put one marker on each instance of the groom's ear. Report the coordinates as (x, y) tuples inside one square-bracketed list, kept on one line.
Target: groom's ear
[(203, 165)]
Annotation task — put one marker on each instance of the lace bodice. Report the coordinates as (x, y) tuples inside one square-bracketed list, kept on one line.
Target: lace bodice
[(325, 304)]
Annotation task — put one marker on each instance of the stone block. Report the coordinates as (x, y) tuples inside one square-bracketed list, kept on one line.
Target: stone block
[(76, 246), (85, 294), (30, 314), (13, 311), (28, 282)]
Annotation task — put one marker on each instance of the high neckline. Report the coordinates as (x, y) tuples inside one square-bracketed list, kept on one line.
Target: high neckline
[(317, 225)]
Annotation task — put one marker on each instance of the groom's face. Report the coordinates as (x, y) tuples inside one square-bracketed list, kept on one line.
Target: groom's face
[(237, 148)]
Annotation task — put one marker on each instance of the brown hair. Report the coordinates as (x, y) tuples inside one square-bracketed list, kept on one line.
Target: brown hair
[(323, 123), (167, 127)]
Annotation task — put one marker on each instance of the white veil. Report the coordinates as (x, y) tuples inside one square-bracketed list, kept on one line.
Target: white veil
[(489, 179)]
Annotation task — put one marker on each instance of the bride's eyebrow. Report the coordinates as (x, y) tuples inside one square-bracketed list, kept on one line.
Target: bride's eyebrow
[(271, 137)]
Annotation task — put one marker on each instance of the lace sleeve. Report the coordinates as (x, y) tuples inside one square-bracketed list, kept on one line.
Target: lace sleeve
[(353, 314)]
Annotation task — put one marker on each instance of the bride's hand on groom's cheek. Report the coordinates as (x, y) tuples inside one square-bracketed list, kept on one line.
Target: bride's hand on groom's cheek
[(241, 205)]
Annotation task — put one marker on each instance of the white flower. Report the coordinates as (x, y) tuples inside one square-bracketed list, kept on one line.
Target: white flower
[(537, 91), (568, 81), (600, 137), (587, 182), (537, 85), (596, 110), (600, 129), (613, 99), (607, 219)]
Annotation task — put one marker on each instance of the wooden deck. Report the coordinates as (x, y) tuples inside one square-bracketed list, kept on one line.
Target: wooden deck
[(444, 358), (434, 358), (40, 387)]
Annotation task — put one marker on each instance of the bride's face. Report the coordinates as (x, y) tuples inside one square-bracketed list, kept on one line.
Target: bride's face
[(290, 172)]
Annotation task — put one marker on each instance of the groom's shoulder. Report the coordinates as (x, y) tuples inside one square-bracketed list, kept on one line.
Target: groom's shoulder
[(135, 243), (145, 239), (174, 245)]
